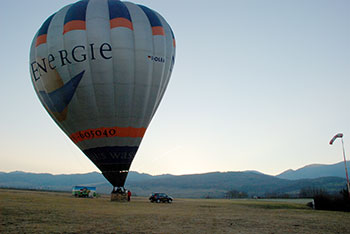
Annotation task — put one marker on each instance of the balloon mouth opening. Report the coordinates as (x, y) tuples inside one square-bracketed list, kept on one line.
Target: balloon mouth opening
[(116, 178), (118, 190)]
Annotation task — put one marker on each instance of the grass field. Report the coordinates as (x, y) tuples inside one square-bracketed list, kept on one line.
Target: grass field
[(49, 212)]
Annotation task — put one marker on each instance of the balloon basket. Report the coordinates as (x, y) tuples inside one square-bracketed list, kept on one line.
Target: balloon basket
[(119, 197)]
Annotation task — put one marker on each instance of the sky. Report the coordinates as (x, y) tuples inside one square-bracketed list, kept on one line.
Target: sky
[(257, 85)]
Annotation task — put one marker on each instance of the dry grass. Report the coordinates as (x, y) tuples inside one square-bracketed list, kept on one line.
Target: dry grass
[(48, 212)]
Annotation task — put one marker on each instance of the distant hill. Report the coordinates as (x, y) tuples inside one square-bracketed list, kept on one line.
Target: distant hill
[(47, 181), (214, 184), (315, 171)]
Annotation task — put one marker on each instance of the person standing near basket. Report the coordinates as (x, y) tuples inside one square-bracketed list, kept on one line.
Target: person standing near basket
[(129, 195)]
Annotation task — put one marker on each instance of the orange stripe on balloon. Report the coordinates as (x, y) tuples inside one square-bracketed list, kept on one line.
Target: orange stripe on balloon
[(174, 44), (40, 40), (121, 22), (158, 30), (74, 25), (103, 132)]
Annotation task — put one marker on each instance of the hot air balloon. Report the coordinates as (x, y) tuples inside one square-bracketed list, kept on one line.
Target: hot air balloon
[(100, 68)]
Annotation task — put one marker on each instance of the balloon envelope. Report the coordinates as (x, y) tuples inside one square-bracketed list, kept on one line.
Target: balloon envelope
[(100, 68)]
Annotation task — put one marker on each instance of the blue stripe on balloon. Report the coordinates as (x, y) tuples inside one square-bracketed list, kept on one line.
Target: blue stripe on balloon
[(45, 26), (77, 11), (152, 17), (117, 9), (172, 33)]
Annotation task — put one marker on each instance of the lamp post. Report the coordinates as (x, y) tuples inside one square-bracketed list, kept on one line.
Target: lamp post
[(340, 135)]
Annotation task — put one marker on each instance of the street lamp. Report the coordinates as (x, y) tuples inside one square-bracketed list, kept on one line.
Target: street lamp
[(340, 135)]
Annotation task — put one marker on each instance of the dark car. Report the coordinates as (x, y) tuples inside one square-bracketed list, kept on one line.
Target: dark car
[(160, 197)]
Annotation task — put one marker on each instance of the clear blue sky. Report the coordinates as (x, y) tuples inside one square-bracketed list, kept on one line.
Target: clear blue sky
[(257, 85)]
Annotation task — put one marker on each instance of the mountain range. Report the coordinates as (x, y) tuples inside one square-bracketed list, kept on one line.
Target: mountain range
[(315, 171), (214, 184)]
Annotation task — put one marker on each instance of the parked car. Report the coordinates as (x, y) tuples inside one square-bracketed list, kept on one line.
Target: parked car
[(160, 197)]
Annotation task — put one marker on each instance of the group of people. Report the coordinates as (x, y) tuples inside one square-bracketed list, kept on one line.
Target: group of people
[(121, 190)]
